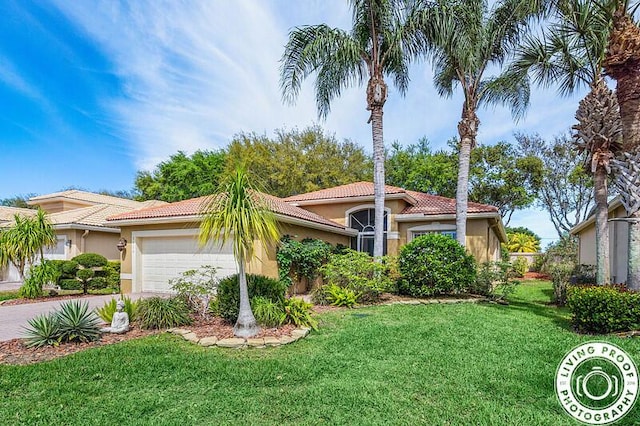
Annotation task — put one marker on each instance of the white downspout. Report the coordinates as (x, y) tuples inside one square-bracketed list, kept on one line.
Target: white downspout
[(82, 240)]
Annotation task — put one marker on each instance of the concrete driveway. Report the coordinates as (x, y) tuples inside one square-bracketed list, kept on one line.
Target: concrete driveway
[(14, 318)]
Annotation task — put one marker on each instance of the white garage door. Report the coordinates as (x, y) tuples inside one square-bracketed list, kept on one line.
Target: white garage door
[(164, 258)]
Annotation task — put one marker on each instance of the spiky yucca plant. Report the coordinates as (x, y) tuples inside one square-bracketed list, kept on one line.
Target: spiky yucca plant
[(77, 323), (598, 134), (43, 330)]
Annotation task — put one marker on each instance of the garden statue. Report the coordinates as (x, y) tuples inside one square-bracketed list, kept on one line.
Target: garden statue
[(120, 320)]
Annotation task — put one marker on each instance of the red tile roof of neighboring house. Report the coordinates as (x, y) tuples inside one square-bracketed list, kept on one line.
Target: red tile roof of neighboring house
[(358, 189), (424, 203), (194, 206)]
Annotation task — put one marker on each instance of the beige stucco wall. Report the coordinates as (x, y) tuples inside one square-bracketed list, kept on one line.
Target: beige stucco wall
[(618, 245), (103, 243)]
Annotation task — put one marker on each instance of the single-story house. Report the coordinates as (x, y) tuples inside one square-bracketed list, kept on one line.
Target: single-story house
[(618, 241), (79, 219), (162, 240)]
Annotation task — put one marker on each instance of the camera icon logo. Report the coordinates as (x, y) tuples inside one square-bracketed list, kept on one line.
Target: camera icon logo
[(597, 383)]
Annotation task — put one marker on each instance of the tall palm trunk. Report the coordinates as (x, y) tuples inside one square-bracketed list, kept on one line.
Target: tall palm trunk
[(602, 226), (622, 63), (467, 129), (376, 97), (246, 325)]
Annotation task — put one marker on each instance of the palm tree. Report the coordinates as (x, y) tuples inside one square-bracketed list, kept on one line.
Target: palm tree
[(622, 64), (239, 213), (523, 243), (570, 55), (464, 39), (376, 47), (20, 243)]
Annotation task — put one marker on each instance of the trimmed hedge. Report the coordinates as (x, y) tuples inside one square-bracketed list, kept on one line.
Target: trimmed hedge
[(258, 286), (435, 264), (603, 309), (91, 260)]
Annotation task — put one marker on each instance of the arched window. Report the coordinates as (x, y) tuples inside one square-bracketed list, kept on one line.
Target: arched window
[(364, 222)]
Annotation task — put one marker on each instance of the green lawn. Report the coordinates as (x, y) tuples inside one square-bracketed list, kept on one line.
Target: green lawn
[(459, 364), (7, 295)]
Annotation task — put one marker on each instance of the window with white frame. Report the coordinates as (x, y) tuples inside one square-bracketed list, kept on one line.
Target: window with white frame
[(364, 222)]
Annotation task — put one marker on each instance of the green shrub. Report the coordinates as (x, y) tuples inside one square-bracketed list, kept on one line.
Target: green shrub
[(69, 268), (299, 313), (603, 309), (158, 312), (340, 296), (435, 264), (70, 284), (584, 274), (112, 274), (520, 266), (39, 275), (77, 323), (258, 285), (301, 259), (495, 280), (267, 312), (91, 260), (98, 283), (85, 275), (43, 330), (109, 308), (197, 287), (360, 273)]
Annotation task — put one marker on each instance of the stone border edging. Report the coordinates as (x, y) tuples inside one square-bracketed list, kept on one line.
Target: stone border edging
[(238, 342), (436, 301)]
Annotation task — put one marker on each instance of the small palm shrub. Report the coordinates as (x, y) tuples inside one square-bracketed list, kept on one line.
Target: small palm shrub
[(158, 312), (77, 323), (435, 264), (43, 330), (299, 313), (73, 322), (267, 312), (258, 285), (340, 296), (109, 308)]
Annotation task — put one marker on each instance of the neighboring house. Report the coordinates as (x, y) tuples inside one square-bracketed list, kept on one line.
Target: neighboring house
[(162, 240), (79, 219), (7, 214), (618, 241)]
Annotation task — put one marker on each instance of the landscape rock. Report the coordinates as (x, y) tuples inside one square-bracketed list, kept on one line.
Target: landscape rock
[(271, 341), (256, 342), (191, 337), (232, 342), (180, 331), (208, 341)]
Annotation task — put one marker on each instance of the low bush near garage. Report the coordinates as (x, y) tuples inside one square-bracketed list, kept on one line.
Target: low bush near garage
[(158, 312), (258, 286)]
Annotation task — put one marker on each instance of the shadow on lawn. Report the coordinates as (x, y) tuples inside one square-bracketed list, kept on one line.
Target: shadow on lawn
[(559, 316)]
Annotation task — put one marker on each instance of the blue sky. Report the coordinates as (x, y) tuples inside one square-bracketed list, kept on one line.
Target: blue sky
[(94, 90)]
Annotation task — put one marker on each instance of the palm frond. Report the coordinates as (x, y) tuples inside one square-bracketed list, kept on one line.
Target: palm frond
[(506, 90)]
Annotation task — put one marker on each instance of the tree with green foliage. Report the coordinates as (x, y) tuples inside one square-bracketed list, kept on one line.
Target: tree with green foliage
[(419, 168), (498, 174), (465, 39), (17, 201), (566, 192), (521, 230), (377, 47), (522, 243), (241, 215), (299, 161), (21, 242), (182, 176)]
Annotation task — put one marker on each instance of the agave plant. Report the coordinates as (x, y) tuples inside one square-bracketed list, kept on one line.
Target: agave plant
[(43, 330), (77, 323)]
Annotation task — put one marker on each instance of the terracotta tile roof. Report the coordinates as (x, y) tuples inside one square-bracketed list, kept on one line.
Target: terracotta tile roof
[(91, 216), (433, 204), (358, 189), (193, 207), (92, 198)]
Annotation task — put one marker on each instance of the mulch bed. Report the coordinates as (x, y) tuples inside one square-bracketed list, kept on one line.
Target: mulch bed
[(536, 276)]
